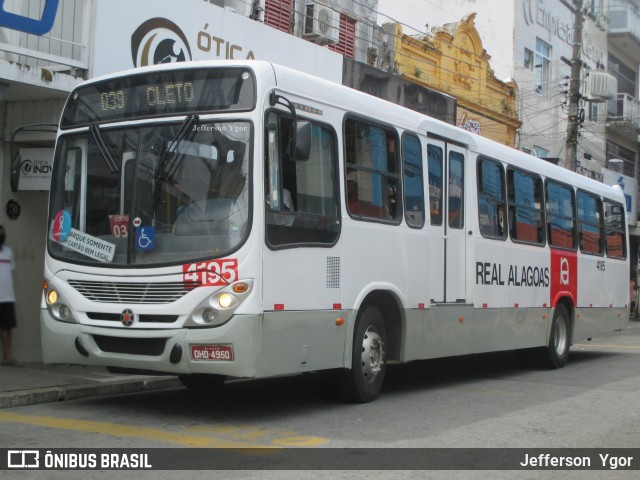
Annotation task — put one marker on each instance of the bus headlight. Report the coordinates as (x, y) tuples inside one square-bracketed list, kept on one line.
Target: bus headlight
[(225, 300), (52, 297), (57, 306), (208, 315), (219, 308)]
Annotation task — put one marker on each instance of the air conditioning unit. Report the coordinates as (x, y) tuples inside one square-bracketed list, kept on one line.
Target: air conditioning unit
[(321, 24), (601, 86)]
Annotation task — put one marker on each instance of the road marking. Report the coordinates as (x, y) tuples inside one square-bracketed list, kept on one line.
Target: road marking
[(604, 345), (155, 434), (280, 438)]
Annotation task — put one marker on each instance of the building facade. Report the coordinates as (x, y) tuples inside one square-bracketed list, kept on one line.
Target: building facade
[(43, 55), (451, 59)]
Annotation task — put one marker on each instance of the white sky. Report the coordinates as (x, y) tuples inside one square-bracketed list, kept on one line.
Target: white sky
[(414, 13)]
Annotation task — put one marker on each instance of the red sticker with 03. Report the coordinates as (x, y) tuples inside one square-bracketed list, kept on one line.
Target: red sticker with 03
[(119, 225), (212, 273)]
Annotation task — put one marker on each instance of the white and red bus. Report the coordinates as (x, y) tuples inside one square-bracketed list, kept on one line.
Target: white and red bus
[(243, 220)]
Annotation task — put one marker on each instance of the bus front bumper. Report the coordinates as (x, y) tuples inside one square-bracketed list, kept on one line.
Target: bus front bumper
[(177, 351)]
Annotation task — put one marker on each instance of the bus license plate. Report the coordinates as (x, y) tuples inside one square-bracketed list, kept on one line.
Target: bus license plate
[(212, 352)]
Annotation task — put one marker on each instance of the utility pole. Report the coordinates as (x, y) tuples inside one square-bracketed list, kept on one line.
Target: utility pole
[(573, 123)]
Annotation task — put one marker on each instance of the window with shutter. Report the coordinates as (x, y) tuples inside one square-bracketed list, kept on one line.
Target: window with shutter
[(347, 43), (277, 14)]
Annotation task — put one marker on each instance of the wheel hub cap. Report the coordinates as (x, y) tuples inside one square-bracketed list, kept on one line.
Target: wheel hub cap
[(372, 354)]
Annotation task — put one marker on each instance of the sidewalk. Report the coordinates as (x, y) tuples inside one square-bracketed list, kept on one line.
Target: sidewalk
[(34, 383)]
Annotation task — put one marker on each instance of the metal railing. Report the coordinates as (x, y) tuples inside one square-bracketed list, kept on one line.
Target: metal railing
[(624, 17), (624, 108)]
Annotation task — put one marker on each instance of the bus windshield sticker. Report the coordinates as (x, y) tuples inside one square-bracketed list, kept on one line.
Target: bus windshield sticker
[(145, 238), (61, 227), (119, 225), (86, 244), (211, 274)]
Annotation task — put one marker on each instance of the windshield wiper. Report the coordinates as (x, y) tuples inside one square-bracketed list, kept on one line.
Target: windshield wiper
[(169, 160), (102, 148)]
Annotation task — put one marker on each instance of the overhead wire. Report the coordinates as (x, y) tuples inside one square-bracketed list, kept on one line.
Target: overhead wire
[(525, 93)]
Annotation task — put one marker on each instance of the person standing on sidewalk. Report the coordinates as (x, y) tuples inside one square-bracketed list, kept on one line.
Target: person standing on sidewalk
[(7, 300)]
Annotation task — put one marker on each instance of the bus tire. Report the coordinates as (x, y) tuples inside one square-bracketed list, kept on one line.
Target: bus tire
[(363, 382), (203, 382), (556, 353)]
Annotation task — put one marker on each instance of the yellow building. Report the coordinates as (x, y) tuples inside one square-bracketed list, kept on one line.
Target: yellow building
[(452, 60)]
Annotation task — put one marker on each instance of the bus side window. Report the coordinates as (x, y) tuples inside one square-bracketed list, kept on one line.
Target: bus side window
[(526, 215), (373, 161), (456, 190), (491, 199), (301, 195), (590, 223), (413, 182), (561, 224), (434, 155), (615, 228)]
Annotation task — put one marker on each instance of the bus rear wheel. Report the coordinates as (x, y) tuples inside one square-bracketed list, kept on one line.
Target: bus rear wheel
[(556, 353), (363, 382), (202, 382)]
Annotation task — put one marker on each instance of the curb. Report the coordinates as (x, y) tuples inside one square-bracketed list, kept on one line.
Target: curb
[(35, 396)]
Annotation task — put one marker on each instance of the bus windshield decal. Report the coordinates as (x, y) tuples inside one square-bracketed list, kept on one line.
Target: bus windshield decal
[(161, 93), (85, 244)]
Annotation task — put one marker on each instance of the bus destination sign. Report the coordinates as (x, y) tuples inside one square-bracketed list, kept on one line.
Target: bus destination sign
[(161, 93)]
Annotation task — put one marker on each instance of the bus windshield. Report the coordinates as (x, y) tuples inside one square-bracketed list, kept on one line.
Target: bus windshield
[(151, 195)]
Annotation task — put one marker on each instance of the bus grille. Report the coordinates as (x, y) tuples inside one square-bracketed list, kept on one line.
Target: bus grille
[(110, 292), (132, 346), (142, 318)]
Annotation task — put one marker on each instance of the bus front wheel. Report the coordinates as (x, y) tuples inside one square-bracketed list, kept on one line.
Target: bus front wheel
[(363, 382)]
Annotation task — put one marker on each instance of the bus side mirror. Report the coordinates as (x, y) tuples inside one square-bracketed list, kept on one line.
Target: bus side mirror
[(303, 141), (16, 165)]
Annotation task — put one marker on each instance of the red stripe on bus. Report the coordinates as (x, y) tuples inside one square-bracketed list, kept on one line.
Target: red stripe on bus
[(421, 306), (278, 306), (337, 306)]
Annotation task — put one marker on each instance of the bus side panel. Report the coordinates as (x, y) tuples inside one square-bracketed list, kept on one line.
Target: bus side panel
[(449, 330), (603, 295), (298, 341), (511, 328), (508, 275), (414, 340), (302, 301), (591, 322), (391, 258)]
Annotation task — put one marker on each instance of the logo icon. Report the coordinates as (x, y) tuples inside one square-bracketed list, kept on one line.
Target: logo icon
[(30, 25), (159, 40), (23, 459), (27, 167), (127, 317), (564, 271)]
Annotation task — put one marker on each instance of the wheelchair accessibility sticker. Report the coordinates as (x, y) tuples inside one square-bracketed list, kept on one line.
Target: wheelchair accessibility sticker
[(145, 238), (30, 25)]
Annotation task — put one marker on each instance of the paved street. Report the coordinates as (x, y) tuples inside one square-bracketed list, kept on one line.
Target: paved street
[(474, 401)]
